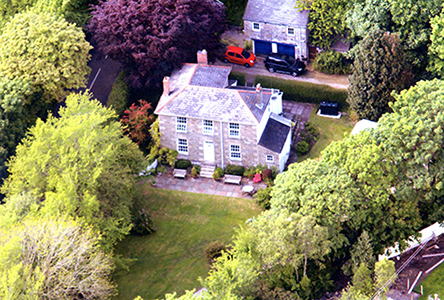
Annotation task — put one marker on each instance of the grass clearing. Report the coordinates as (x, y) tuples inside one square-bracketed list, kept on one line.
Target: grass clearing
[(330, 130), (433, 284), (173, 257)]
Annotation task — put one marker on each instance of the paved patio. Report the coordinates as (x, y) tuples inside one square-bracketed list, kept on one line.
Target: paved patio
[(205, 185)]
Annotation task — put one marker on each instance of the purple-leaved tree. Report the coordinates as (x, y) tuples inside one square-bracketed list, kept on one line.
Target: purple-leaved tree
[(152, 37)]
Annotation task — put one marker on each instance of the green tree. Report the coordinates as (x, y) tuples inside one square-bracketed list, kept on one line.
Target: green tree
[(362, 280), (436, 49), (384, 272), (362, 253), (79, 164), (366, 16), (53, 259), (47, 51), (327, 20), (378, 70)]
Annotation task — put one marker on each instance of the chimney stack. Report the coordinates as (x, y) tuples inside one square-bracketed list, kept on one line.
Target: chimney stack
[(202, 57), (166, 85), (259, 95)]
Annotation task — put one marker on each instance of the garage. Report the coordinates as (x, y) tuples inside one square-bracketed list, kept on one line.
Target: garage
[(262, 47), (286, 49)]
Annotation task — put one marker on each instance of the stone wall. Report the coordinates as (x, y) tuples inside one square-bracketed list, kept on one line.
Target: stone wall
[(251, 153)]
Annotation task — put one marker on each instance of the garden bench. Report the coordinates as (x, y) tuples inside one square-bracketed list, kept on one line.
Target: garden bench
[(235, 179), (179, 173)]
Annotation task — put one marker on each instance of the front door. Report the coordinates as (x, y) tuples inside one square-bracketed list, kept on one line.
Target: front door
[(209, 151)]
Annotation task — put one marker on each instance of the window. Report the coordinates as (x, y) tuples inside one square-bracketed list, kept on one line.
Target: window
[(233, 130), (181, 124), (290, 31), (235, 152), (269, 159), (182, 146), (256, 27), (207, 127)]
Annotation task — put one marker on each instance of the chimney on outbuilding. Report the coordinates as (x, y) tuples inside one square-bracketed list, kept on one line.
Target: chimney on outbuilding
[(202, 57), (166, 85)]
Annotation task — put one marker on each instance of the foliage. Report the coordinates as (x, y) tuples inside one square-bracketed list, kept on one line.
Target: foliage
[(304, 92), (136, 122), (235, 11), (234, 170), (257, 178), (164, 156), (436, 50), (331, 62), (366, 16), (79, 165), (377, 71), (119, 96), (195, 170), (384, 271), (362, 280), (214, 250), (267, 174), (151, 38), (362, 253), (48, 258), (240, 77), (327, 20), (302, 148), (182, 164), (216, 175), (47, 51), (263, 197), (142, 223)]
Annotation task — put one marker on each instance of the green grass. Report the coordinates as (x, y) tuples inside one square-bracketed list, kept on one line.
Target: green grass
[(173, 257), (330, 130), (433, 284)]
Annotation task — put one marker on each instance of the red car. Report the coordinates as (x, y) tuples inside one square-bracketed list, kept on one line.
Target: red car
[(239, 56)]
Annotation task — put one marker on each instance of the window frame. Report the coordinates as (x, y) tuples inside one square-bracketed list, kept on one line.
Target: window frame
[(181, 124), (182, 145), (258, 26), (288, 31), (230, 130), (232, 151), (205, 127), (269, 160)]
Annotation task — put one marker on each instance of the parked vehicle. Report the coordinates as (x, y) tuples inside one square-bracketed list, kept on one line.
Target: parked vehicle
[(283, 63), (239, 56)]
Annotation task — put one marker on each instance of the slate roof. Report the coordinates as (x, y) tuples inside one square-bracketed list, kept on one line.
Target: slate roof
[(198, 91), (282, 12), (275, 133)]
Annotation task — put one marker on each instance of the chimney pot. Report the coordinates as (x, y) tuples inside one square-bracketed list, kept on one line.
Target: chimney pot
[(166, 85), (202, 57)]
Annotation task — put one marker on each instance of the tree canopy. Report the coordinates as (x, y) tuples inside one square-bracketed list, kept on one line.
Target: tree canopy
[(81, 165), (436, 50), (47, 51), (378, 70), (153, 37)]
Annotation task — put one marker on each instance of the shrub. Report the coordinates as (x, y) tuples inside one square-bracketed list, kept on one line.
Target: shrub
[(302, 148), (118, 98), (182, 164), (249, 173), (248, 45), (257, 178), (220, 171), (241, 78), (195, 171), (263, 197), (214, 250), (167, 156), (142, 223), (275, 171), (267, 174), (332, 62), (300, 91), (312, 130), (234, 170), (216, 175)]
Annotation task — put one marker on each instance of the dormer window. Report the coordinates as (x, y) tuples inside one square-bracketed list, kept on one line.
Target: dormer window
[(290, 31), (256, 27)]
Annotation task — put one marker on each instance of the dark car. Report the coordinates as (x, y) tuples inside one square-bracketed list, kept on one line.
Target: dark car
[(239, 56), (285, 64)]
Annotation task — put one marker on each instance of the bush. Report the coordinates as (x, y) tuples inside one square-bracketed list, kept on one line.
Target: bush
[(241, 78), (182, 164), (302, 148), (118, 98), (248, 45), (220, 171), (267, 174), (312, 130), (142, 223), (307, 92), (274, 171), (332, 62), (263, 197), (249, 173), (195, 170), (234, 170), (216, 175), (214, 250)]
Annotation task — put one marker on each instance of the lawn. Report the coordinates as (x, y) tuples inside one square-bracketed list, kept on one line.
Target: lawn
[(173, 257), (433, 284), (330, 129)]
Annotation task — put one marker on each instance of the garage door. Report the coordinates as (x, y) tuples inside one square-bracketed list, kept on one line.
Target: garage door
[(286, 49), (262, 47)]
